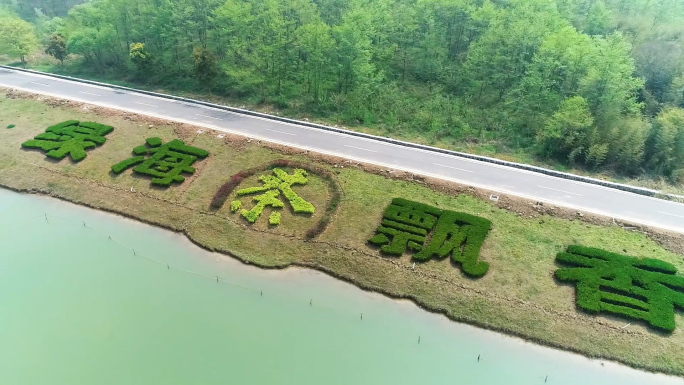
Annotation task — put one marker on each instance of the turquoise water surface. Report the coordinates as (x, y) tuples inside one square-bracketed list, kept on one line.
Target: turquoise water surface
[(77, 307)]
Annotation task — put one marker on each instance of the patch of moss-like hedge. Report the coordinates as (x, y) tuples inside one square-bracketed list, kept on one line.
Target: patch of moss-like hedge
[(433, 233), (235, 206), (299, 205), (267, 199), (642, 289), (271, 188), (227, 188), (274, 219), (71, 138)]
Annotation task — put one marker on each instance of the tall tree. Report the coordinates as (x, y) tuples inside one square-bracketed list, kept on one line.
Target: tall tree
[(17, 37), (205, 66), (665, 144), (57, 48), (501, 56), (141, 57), (315, 44)]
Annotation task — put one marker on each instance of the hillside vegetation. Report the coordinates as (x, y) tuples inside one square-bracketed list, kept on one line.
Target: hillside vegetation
[(592, 84)]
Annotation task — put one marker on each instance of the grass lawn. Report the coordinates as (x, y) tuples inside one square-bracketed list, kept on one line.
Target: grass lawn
[(518, 295)]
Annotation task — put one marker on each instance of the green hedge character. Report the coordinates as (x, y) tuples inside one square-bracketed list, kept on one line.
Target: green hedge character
[(407, 225), (273, 185), (644, 289), (71, 138), (461, 236), (166, 162)]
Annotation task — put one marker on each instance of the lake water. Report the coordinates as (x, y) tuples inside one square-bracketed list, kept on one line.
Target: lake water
[(77, 307)]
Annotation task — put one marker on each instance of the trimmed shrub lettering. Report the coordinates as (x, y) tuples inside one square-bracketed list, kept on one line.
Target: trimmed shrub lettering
[(165, 162), (643, 289), (227, 188), (71, 138), (409, 225)]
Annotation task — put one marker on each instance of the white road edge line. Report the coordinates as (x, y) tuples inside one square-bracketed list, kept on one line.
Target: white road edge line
[(359, 148), (89, 93), (455, 168), (673, 215), (332, 153), (145, 104), (280, 132), (40, 84), (210, 117), (565, 192)]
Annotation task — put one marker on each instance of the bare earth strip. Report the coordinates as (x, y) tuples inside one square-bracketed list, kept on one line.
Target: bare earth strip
[(518, 296)]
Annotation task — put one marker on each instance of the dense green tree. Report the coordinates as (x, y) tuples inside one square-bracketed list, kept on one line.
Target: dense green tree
[(141, 57), (17, 37), (609, 84), (665, 143), (57, 48), (315, 44), (357, 76), (626, 145), (90, 34), (500, 57), (205, 66), (567, 132)]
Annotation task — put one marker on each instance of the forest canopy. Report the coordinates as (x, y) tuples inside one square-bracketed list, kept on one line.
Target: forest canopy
[(599, 84)]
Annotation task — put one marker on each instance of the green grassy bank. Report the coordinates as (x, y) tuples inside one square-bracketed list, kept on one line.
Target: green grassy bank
[(518, 295)]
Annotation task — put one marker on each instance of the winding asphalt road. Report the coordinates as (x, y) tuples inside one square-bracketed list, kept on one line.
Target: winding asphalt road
[(562, 192)]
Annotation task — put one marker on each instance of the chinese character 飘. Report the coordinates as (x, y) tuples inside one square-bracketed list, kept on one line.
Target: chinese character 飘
[(431, 232)]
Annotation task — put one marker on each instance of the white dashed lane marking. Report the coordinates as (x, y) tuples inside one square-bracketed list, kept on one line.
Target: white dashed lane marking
[(672, 215), (145, 104), (565, 192), (455, 168), (210, 117), (280, 132), (359, 148)]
